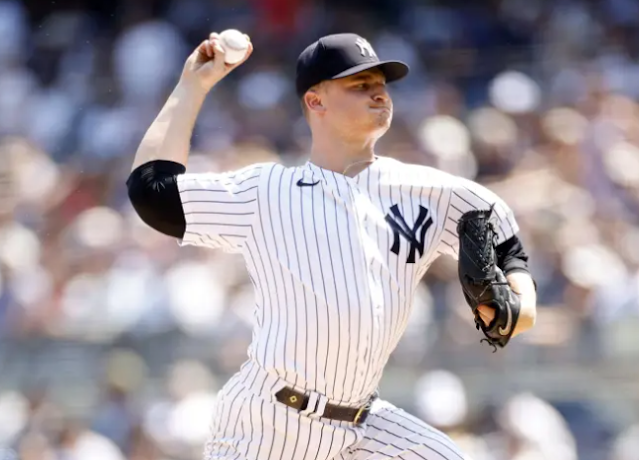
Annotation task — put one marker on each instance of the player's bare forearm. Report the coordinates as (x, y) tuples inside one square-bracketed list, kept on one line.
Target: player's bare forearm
[(522, 283), (169, 136)]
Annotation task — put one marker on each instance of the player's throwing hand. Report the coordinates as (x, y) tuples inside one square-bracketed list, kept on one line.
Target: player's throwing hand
[(206, 66)]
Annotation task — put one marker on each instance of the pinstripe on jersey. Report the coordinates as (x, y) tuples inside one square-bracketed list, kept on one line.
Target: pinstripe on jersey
[(331, 262)]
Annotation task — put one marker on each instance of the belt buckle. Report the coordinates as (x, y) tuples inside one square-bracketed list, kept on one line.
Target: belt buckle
[(365, 407), (361, 411)]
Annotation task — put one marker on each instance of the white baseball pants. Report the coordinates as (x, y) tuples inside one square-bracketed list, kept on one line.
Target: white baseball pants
[(249, 424)]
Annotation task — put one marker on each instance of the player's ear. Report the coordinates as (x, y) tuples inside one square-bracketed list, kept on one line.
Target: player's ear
[(313, 101)]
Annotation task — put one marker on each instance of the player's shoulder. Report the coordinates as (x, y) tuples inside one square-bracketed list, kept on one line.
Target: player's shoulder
[(251, 170), (270, 171), (282, 169), (275, 166), (416, 174), (261, 167)]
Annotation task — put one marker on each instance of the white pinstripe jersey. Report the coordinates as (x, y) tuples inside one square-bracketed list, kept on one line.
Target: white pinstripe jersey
[(334, 264)]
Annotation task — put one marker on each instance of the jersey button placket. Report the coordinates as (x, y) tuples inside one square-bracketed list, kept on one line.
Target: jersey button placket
[(351, 204), (361, 218)]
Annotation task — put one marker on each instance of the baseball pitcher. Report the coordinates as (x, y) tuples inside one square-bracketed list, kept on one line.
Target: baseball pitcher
[(335, 249)]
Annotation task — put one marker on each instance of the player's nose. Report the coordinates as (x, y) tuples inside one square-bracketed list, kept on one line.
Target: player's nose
[(381, 96)]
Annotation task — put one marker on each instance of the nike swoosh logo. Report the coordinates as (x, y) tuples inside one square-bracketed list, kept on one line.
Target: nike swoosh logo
[(509, 323), (301, 183)]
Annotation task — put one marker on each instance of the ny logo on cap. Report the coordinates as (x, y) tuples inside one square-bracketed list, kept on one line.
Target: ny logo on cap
[(365, 48)]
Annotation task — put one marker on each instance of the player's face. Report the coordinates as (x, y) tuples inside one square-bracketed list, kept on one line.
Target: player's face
[(359, 104)]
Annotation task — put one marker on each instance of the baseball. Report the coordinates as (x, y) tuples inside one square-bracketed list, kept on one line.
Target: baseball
[(235, 45)]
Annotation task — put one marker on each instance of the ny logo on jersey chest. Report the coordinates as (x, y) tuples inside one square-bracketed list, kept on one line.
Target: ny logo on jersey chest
[(415, 235)]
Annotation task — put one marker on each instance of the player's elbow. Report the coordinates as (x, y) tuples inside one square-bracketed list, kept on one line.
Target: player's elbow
[(156, 200), (152, 213)]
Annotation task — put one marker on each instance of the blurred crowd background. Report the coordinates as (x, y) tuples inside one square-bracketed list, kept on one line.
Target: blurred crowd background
[(114, 341)]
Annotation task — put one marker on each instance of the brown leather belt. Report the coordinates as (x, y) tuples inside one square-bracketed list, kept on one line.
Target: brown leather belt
[(299, 401)]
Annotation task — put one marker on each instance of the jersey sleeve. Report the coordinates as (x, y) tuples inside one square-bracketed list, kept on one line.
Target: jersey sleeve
[(466, 195), (220, 208)]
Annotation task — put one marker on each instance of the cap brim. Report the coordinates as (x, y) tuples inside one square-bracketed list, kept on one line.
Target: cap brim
[(392, 70)]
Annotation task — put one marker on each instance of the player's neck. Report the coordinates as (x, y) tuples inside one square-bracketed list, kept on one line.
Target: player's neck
[(343, 157)]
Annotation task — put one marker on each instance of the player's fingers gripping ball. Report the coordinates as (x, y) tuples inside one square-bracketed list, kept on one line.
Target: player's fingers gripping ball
[(482, 281), (235, 44), (216, 56)]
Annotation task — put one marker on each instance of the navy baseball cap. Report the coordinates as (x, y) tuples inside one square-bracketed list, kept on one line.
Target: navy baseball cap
[(338, 56)]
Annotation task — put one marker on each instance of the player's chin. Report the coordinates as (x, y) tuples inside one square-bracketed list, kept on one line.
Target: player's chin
[(382, 119)]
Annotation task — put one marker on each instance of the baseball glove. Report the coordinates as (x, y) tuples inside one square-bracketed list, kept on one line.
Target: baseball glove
[(482, 281)]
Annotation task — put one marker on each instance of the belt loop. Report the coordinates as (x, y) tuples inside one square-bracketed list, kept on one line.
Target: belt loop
[(323, 400), (316, 405), (310, 406)]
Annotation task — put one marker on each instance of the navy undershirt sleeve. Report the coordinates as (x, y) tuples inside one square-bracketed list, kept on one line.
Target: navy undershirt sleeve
[(511, 256), (154, 194)]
